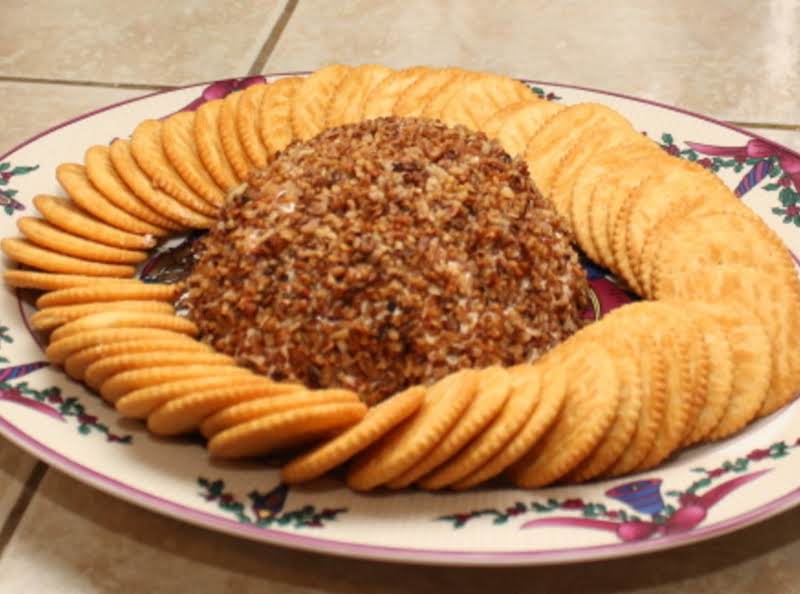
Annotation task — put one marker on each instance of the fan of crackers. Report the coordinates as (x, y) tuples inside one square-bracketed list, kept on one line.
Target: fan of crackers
[(710, 349)]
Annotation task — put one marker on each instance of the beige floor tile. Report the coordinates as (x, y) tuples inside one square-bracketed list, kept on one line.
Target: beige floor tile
[(730, 58), (32, 108), (15, 468), (75, 539), (148, 41)]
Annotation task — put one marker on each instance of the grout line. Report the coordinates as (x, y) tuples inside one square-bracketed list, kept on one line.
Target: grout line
[(766, 126), (85, 83), (23, 501), (274, 36)]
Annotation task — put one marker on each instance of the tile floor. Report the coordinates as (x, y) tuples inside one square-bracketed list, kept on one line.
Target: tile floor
[(725, 58)]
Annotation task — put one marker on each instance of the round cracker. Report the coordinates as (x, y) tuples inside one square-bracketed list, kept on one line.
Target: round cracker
[(120, 384), (48, 281), (494, 386), (444, 404), (178, 141), (133, 175), (626, 422), (558, 135), (76, 363), (522, 400), (347, 102), (75, 182), (140, 403), (772, 299), (185, 414), (60, 348), (121, 291), (99, 371), (382, 99), (437, 99), (592, 401), (553, 382), (125, 319), (229, 136), (63, 214), (379, 420), (276, 113), (47, 236), (101, 172), (519, 122), (34, 256), (57, 315), (310, 101), (412, 101), (209, 145), (285, 429), (248, 124), (480, 98), (148, 151)]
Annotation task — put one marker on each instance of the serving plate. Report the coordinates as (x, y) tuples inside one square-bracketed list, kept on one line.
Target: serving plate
[(703, 492)]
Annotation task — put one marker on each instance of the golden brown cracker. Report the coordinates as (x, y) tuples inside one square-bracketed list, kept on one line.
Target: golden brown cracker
[(248, 125), (592, 401), (34, 256), (413, 100), (57, 315), (236, 414), (185, 414), (626, 422), (276, 113), (285, 429), (139, 404), (521, 402), (481, 97), (601, 136), (126, 319), (494, 386), (599, 165), (378, 421), (48, 281), (553, 381), (518, 123), (209, 145), (347, 102), (558, 135), (133, 175), (381, 100), (148, 151), (310, 101), (103, 176), (772, 299), (60, 349), (99, 371), (714, 238), (76, 363), (441, 96), (109, 291), (75, 182), (444, 404), (43, 234), (751, 355), (120, 384), (178, 141), (229, 136)]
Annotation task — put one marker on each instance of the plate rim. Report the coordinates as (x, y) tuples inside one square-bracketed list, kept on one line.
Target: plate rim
[(207, 520)]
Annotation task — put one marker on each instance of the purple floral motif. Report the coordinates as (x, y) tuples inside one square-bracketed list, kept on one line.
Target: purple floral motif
[(223, 88), (266, 509), (547, 95), (644, 497), (605, 292), (8, 202)]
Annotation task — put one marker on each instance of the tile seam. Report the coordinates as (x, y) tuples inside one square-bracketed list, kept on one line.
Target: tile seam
[(273, 38), (17, 512)]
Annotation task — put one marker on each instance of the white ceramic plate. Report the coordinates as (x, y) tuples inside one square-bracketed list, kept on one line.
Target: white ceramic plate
[(704, 492)]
